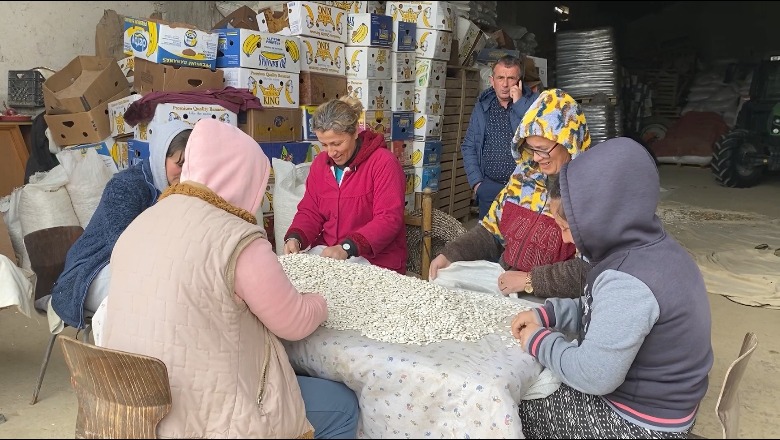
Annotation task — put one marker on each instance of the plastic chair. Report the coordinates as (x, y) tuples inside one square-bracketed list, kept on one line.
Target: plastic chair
[(47, 249), (727, 408), (120, 394)]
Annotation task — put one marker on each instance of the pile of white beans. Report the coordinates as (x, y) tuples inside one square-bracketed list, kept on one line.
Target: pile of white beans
[(389, 307)]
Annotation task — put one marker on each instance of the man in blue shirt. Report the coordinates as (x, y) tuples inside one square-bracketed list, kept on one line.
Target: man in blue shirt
[(486, 149)]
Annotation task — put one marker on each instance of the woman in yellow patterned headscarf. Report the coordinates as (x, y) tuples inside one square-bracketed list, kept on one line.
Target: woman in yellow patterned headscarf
[(519, 229)]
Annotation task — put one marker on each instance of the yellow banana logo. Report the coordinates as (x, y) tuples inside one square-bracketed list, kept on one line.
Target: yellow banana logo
[(409, 15), (381, 57), (410, 183), (339, 29), (417, 181), (309, 52), (407, 104), (426, 17), (354, 62), (337, 58), (293, 50), (324, 17), (423, 45), (288, 92), (436, 106), (323, 51), (309, 16), (271, 95), (416, 157), (253, 85), (152, 39), (360, 33), (420, 122), (119, 121), (273, 56), (251, 44)]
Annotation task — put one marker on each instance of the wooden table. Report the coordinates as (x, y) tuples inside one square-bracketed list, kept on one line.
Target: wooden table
[(14, 151)]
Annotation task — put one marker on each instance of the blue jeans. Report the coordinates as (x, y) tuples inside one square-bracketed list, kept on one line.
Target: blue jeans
[(331, 407), (487, 192)]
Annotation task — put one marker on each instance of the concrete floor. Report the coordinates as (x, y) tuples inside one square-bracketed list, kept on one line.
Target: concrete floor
[(54, 416)]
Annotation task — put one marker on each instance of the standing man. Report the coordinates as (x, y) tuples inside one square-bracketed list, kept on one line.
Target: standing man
[(487, 154)]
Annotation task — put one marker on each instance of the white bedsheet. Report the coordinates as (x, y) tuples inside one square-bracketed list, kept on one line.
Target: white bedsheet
[(449, 389)]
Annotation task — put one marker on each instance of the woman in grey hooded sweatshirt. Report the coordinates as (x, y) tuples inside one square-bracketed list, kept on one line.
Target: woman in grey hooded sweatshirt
[(83, 284), (639, 366)]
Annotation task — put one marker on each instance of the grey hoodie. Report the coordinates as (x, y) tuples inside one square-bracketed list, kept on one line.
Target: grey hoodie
[(644, 318)]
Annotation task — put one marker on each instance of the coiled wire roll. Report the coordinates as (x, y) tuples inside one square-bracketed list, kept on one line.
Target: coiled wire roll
[(587, 62)]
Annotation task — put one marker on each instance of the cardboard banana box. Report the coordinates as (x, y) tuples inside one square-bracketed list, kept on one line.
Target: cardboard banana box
[(258, 50)]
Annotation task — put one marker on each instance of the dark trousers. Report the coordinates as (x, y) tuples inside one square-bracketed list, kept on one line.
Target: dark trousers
[(486, 193)]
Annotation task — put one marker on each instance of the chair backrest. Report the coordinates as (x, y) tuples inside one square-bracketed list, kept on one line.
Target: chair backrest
[(120, 394), (727, 408), (47, 249)]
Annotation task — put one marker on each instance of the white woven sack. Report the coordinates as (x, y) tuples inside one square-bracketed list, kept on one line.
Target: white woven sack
[(9, 206), (46, 204), (289, 187), (87, 177)]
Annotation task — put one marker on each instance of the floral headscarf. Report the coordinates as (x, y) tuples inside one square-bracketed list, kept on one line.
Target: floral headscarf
[(555, 115)]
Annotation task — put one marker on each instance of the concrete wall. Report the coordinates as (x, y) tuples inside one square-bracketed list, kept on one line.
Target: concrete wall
[(50, 34)]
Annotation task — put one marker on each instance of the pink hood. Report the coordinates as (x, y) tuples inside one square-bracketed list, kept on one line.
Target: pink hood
[(228, 161)]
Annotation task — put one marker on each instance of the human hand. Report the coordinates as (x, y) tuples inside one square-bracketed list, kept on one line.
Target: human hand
[(440, 262), (523, 321), (515, 92), (335, 252), (292, 246), (476, 187), (525, 333), (512, 281)]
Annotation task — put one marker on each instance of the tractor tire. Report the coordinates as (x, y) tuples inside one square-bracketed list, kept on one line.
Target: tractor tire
[(726, 161)]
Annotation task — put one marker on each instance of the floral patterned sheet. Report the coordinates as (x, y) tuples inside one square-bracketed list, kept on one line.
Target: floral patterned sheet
[(450, 389)]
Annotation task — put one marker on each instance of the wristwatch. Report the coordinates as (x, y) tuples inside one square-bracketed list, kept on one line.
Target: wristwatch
[(528, 287), (347, 247)]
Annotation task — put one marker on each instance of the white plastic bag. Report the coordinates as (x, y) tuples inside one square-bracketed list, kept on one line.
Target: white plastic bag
[(477, 276), (289, 187), (87, 177)]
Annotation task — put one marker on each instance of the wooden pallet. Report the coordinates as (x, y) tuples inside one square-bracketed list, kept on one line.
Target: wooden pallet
[(454, 195)]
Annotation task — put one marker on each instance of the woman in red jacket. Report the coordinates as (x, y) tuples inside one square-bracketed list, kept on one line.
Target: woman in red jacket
[(354, 199)]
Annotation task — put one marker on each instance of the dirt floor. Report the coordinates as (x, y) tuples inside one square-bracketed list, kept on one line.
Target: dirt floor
[(54, 416)]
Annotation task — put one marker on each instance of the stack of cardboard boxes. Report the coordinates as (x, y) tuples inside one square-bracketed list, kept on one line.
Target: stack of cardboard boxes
[(77, 99), (165, 57), (433, 41)]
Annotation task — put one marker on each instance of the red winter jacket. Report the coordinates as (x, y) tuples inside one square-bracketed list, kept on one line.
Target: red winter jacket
[(368, 207)]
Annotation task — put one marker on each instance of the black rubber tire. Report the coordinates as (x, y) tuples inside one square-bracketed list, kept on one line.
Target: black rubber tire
[(725, 162)]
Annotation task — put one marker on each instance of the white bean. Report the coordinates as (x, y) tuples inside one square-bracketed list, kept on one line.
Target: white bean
[(386, 306)]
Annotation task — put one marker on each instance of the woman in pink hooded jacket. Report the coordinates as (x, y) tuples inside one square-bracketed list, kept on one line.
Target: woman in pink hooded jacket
[(196, 284), (354, 199)]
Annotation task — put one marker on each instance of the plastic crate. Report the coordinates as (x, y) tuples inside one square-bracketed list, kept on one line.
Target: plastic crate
[(25, 88)]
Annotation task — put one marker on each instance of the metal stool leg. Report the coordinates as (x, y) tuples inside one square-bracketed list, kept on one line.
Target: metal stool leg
[(43, 368)]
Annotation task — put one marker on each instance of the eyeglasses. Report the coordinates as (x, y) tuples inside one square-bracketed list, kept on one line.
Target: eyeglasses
[(542, 153)]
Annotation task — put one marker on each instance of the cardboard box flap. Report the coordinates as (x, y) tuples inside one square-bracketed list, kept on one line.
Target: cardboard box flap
[(242, 18), (153, 77), (84, 84), (275, 18), (84, 127)]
